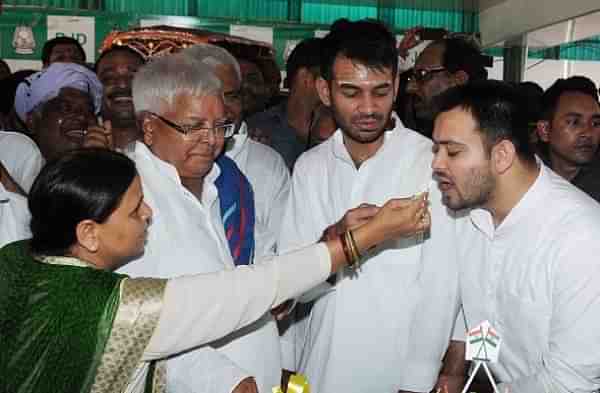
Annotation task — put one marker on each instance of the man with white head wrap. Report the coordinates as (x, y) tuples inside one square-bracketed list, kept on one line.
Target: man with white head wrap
[(59, 104)]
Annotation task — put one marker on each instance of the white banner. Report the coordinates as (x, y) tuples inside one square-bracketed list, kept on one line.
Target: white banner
[(81, 28)]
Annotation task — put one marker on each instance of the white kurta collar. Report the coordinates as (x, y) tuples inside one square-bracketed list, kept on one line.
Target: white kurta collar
[(237, 143), (482, 219), (168, 170), (340, 151)]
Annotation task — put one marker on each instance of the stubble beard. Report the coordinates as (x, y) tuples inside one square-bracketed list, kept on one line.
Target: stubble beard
[(477, 191)]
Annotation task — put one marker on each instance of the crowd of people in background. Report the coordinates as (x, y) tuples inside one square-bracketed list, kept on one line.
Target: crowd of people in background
[(175, 224)]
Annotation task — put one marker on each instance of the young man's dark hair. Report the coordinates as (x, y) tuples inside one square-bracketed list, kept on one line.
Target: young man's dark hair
[(366, 41), (51, 44), (462, 55), (307, 54), (339, 23), (115, 49), (499, 110), (577, 84)]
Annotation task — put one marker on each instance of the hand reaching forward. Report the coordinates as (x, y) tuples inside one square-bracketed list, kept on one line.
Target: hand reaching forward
[(353, 219), (100, 136), (402, 217)]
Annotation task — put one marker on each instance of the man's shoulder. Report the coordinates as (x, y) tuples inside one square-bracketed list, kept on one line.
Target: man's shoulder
[(589, 180), (316, 158), (264, 154), (567, 204), (269, 116), (411, 140), (17, 142)]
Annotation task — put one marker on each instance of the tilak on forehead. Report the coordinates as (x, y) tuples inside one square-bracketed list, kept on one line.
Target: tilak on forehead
[(361, 74)]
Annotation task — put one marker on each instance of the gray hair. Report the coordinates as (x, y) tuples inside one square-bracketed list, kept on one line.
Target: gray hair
[(213, 56), (157, 83)]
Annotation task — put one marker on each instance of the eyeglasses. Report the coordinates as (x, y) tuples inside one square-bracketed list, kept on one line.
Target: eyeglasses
[(426, 74), (225, 129)]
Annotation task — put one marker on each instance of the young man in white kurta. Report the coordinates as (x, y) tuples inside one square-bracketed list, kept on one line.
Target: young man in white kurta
[(529, 263), (388, 327), (270, 180), (187, 237), (535, 279)]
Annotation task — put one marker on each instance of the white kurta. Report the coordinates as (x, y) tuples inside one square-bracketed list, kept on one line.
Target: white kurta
[(198, 309), (536, 278), (21, 158), (14, 217), (187, 237), (387, 328), (270, 180)]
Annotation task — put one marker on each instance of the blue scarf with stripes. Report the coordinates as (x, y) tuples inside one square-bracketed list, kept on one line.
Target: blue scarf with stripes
[(237, 210)]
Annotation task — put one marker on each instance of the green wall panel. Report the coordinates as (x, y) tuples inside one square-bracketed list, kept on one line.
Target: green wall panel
[(262, 10), (290, 19), (327, 11), (584, 50), (160, 7), (64, 4), (450, 20)]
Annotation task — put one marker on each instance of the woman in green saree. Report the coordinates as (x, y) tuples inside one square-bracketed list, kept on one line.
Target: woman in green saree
[(68, 323)]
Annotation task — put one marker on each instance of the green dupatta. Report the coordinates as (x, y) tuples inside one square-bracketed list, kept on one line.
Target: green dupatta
[(55, 321)]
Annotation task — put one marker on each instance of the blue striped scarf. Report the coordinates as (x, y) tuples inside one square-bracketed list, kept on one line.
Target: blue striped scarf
[(237, 210)]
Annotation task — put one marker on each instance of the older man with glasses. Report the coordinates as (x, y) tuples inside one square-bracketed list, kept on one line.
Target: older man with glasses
[(443, 64), (179, 107)]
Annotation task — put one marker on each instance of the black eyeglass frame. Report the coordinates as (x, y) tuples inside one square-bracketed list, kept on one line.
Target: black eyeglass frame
[(228, 129)]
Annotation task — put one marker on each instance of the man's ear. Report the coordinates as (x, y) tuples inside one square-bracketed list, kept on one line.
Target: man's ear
[(87, 233), (324, 91), (31, 121), (306, 77), (542, 127), (145, 124), (460, 77), (503, 156)]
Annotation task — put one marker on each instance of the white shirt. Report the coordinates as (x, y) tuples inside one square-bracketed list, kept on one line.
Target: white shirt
[(201, 308), (14, 217), (270, 179), (187, 237), (387, 328), (536, 278), (21, 158)]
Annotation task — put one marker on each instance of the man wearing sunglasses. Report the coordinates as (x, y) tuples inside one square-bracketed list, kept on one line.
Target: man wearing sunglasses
[(442, 64)]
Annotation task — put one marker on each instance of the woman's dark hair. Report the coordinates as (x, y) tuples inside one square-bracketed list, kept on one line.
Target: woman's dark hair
[(81, 184)]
